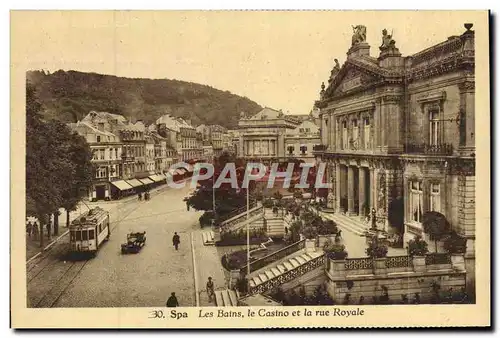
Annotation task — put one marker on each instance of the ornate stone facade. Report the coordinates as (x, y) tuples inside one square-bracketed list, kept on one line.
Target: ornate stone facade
[(401, 130)]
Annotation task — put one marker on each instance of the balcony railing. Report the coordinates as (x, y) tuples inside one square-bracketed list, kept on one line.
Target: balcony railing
[(320, 147), (287, 276), (429, 149), (127, 158)]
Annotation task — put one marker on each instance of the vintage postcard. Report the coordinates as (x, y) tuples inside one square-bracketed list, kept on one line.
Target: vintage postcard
[(250, 169)]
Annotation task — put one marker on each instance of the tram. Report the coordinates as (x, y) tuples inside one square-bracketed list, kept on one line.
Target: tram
[(89, 231)]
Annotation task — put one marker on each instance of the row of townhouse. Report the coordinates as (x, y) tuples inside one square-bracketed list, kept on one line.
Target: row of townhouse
[(131, 157), (216, 137)]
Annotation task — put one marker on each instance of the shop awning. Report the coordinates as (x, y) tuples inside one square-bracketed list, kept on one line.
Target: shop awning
[(122, 185), (135, 183), (146, 181), (157, 178), (179, 172), (161, 177)]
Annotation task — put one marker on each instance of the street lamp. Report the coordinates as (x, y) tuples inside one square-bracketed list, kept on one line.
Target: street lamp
[(374, 226), (374, 221)]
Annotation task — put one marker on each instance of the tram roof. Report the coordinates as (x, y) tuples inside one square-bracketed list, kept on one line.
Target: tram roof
[(90, 217)]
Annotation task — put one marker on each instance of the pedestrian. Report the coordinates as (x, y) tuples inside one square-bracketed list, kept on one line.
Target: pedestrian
[(210, 289), (176, 240), (139, 196), (35, 230), (187, 205), (172, 301), (29, 229)]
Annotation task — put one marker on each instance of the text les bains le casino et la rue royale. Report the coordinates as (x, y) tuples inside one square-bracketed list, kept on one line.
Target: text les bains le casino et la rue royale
[(253, 313)]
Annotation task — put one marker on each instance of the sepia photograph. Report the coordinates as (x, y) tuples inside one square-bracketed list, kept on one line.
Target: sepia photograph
[(243, 165)]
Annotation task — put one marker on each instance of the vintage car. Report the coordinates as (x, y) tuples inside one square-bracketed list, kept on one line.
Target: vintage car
[(135, 242)]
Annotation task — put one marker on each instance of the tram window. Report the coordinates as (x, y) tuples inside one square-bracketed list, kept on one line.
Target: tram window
[(84, 235), (91, 234), (78, 235), (72, 236)]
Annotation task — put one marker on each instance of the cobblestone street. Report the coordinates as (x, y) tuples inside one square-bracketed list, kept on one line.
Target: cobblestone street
[(143, 279)]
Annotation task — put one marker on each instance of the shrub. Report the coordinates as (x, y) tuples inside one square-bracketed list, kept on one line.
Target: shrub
[(455, 244), (328, 227), (310, 232), (267, 203), (417, 247), (376, 250), (206, 218), (297, 194), (335, 251)]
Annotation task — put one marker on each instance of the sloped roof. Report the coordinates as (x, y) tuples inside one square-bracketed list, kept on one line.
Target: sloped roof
[(265, 114)]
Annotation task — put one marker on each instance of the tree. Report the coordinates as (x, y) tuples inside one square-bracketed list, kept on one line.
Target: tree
[(81, 157), (436, 225), (56, 160), (47, 167), (227, 199), (396, 214)]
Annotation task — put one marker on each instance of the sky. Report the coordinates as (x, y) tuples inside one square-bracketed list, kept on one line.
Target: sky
[(278, 59)]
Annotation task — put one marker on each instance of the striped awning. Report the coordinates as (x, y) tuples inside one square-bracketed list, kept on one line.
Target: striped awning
[(134, 183), (122, 185), (146, 181), (179, 172)]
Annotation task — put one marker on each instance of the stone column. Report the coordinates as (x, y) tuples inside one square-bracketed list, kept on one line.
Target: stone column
[(331, 198), (466, 115), (372, 189), (337, 187), (350, 190), (361, 190)]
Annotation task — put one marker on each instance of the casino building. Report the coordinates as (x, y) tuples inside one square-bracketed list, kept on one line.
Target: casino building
[(398, 135)]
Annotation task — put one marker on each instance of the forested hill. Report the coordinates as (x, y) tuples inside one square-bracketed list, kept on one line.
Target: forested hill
[(70, 95)]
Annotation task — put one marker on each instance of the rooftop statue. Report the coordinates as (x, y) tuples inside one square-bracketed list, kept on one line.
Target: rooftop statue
[(387, 41), (359, 34), (334, 71)]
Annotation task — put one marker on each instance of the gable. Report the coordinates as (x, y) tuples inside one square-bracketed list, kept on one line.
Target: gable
[(351, 79)]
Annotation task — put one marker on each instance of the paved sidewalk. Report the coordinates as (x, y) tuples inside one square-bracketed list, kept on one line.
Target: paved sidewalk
[(208, 264)]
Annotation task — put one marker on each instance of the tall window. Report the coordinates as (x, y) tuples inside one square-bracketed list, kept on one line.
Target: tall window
[(101, 154), (98, 138), (366, 133), (416, 201), (435, 198), (434, 127), (344, 135)]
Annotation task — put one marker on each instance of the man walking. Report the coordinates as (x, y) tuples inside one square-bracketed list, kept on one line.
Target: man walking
[(172, 301), (210, 289), (176, 240)]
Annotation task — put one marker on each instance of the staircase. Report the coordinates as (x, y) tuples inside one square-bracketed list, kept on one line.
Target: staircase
[(226, 297), (347, 223), (239, 221), (208, 237), (268, 279)]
